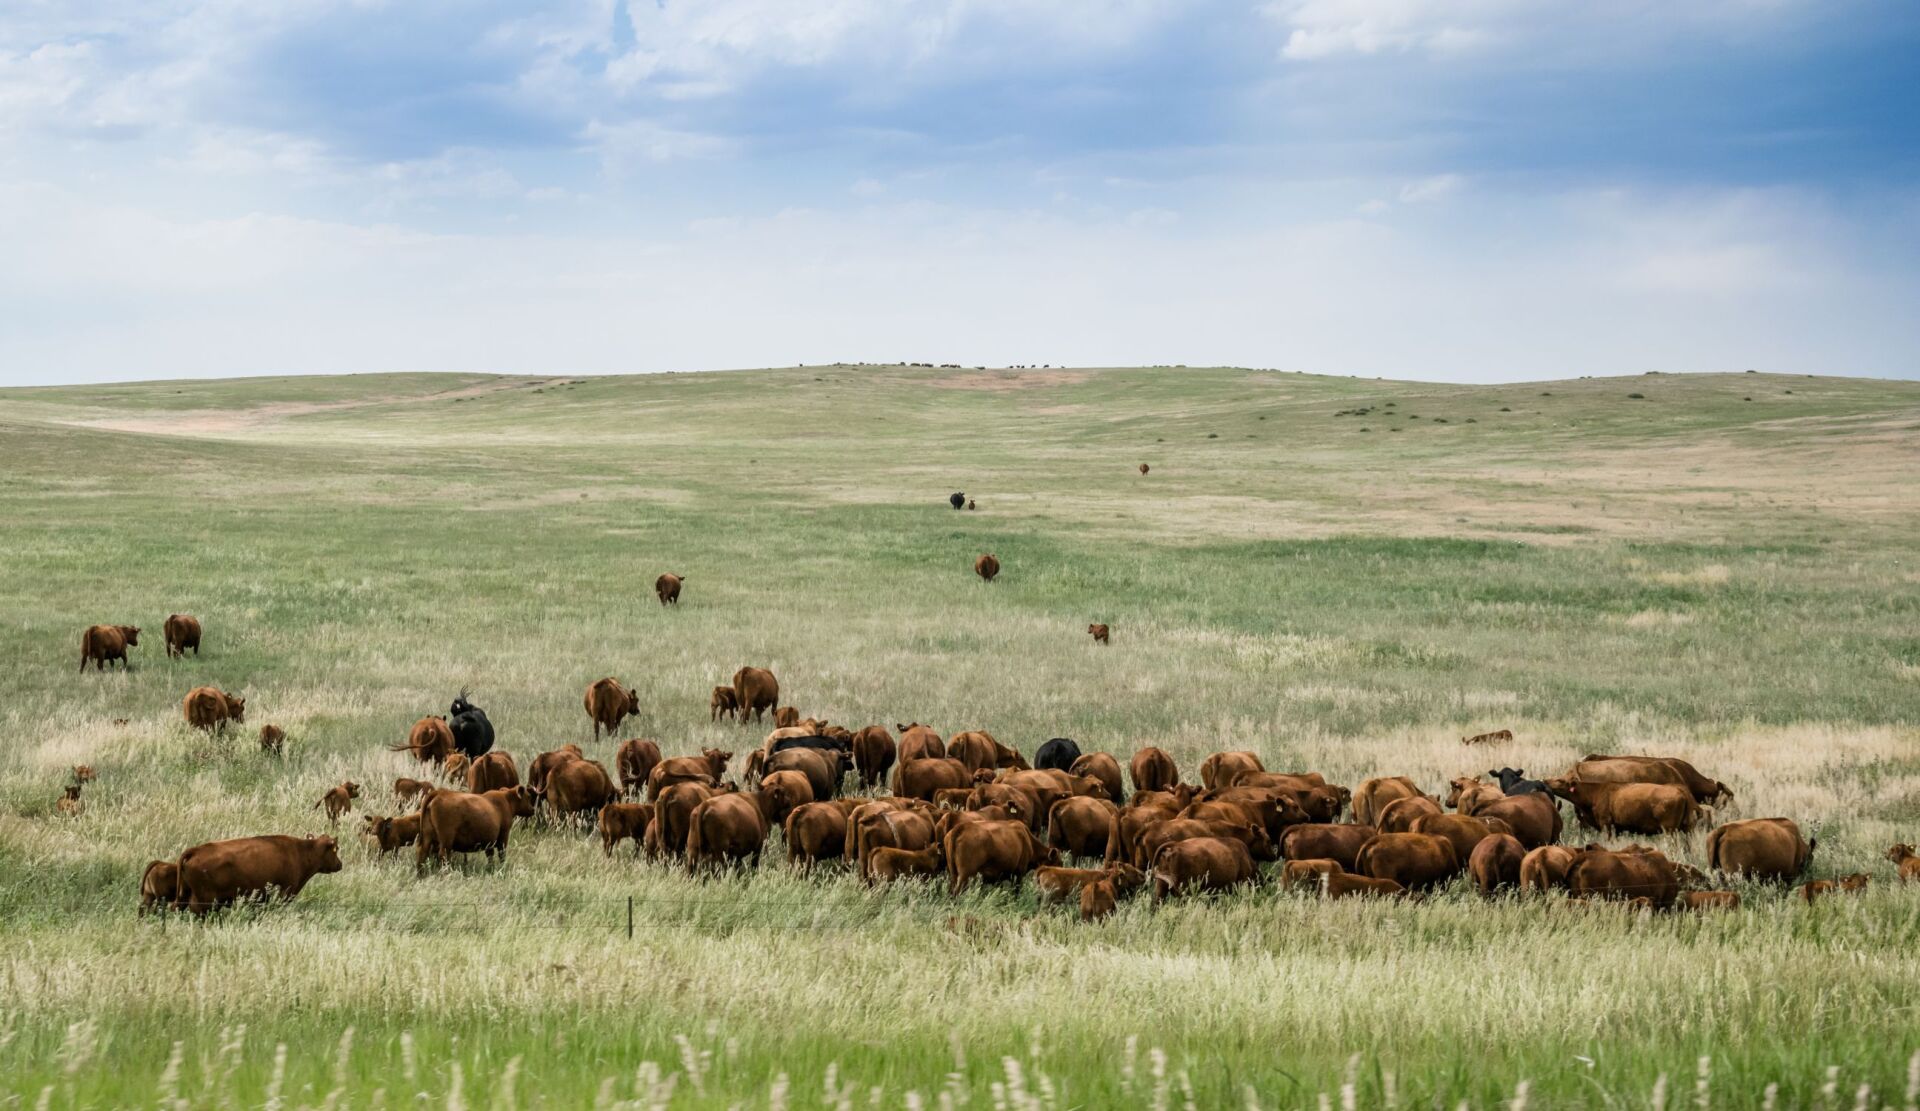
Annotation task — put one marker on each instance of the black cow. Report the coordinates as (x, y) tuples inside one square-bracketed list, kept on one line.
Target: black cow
[(472, 732), (1058, 754), (957, 500), (1514, 782)]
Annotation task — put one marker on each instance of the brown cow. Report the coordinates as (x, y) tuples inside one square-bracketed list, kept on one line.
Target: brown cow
[(1545, 868), (1631, 807), (1274, 811), (667, 588), (492, 772), (673, 809), (1079, 826), (1100, 633), (1412, 860), (1399, 815), (1535, 817), (1100, 766), (621, 820), (918, 742), (411, 790), (723, 702), (883, 825), (1467, 791), (1611, 874), (608, 704), (1153, 770), (577, 788), (635, 761), (1372, 796), (1762, 848), (1710, 900), (182, 632), (211, 708), (218, 873), (815, 832), (1343, 885), (1326, 842), (1223, 769), (1495, 862), (755, 691), (273, 739), (454, 768), (1811, 891), (1208, 863), (1055, 884), (888, 864), (339, 800), (919, 779), (1099, 898), (1465, 832), (1498, 736), (430, 740), (1670, 770), (786, 717), (391, 833), (101, 643), (1905, 860), (160, 883), (785, 791), (1181, 829), (978, 750), (459, 822), (987, 566), (1296, 873), (993, 850), (706, 768), (873, 754)]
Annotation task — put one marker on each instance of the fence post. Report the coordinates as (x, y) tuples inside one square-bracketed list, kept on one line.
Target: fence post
[(629, 918)]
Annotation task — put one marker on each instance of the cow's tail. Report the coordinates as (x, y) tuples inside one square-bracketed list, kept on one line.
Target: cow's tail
[(1713, 848), (1362, 859), (694, 841), (86, 637)]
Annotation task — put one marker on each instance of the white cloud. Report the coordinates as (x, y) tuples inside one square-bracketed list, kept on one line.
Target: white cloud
[(1437, 187)]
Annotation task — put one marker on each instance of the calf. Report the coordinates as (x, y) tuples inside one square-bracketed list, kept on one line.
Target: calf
[(1710, 900), (1906, 861), (889, 864), (1056, 884), (1816, 889), (391, 834), (987, 566), (1342, 885), (1100, 633), (621, 820), (1498, 736), (411, 790), (1099, 898), (160, 884), (338, 801), (69, 801), (100, 644), (1297, 873), (272, 739), (723, 703)]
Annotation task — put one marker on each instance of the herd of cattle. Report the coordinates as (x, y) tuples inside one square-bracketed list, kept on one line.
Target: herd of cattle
[(967, 807)]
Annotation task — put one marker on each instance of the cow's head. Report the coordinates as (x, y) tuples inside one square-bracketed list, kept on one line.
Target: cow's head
[(1458, 787), (353, 789), (523, 799), (1507, 777), (236, 707), (716, 759), (132, 633), (328, 851), (1900, 852), (1563, 787)]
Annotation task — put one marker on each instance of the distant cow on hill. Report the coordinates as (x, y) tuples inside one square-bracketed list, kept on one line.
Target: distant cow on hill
[(182, 632), (101, 643)]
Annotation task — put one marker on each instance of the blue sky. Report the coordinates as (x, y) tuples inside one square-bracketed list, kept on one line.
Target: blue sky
[(1476, 190)]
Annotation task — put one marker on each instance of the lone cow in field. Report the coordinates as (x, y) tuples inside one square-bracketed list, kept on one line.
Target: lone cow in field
[(987, 566), (101, 643), (211, 708), (667, 587), (182, 632), (608, 704)]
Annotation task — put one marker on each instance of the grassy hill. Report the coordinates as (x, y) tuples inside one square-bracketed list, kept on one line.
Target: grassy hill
[(1342, 574)]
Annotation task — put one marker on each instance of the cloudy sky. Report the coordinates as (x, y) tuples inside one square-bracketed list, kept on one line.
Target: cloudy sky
[(1473, 190)]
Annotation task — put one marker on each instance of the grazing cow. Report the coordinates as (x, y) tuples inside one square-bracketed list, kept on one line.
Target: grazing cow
[(957, 499), (1318, 800), (218, 873), (621, 820), (492, 772), (577, 788), (430, 740), (390, 834), (1906, 861), (1514, 781), (1412, 860), (1535, 818), (824, 769), (918, 742), (993, 851), (1372, 796), (1670, 770), (1079, 826), (1466, 792), (1098, 899), (1224, 769), (1811, 891), (1324, 841), (987, 566), (1343, 885), (755, 691), (977, 749), (1055, 884), (816, 831), (102, 643), (1059, 754), (1153, 770), (1100, 633), (211, 708), (459, 822), (1102, 768), (1298, 873), (182, 632), (919, 779), (1399, 815), (667, 588), (338, 800), (160, 883), (1631, 807), (472, 732), (1760, 848), (1495, 862), (786, 717), (673, 809), (1710, 900), (888, 864), (784, 792), (706, 768), (1465, 832), (1498, 736), (884, 824), (1203, 863), (1182, 829), (634, 761), (608, 704), (1610, 874), (273, 739), (1545, 868), (873, 753), (723, 703), (1275, 811)]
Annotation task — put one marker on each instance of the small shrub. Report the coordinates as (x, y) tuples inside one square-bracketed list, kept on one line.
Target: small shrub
[(1637, 396)]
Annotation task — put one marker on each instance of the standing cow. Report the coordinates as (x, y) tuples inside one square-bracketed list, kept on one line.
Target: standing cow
[(182, 632), (472, 732), (218, 873), (987, 566), (211, 708), (667, 587), (101, 643), (755, 692), (608, 704)]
